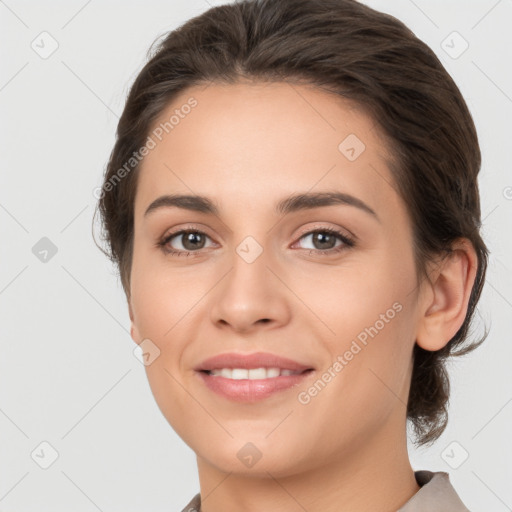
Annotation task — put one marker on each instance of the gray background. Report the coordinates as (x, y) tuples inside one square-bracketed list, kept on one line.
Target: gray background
[(68, 373)]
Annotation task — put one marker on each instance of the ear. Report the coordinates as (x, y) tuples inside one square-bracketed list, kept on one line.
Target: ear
[(134, 332), (444, 303)]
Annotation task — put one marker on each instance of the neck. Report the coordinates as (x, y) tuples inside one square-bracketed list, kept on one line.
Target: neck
[(376, 475)]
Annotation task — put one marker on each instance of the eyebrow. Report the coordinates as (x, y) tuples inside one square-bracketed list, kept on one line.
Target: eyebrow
[(297, 202)]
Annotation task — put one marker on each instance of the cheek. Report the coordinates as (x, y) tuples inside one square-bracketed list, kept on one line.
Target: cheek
[(372, 312), (358, 294), (171, 397), (158, 297)]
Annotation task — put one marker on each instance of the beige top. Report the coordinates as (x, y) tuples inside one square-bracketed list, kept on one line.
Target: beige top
[(436, 495)]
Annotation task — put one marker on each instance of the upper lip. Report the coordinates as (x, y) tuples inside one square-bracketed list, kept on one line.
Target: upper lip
[(250, 361)]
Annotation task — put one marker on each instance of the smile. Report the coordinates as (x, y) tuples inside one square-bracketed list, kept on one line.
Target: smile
[(252, 374)]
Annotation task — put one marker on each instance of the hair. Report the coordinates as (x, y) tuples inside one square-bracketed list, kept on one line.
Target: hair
[(363, 56)]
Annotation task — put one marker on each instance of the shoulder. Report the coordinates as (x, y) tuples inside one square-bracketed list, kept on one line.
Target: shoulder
[(194, 505), (436, 493)]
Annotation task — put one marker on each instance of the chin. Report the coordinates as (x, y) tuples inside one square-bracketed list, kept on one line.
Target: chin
[(252, 458)]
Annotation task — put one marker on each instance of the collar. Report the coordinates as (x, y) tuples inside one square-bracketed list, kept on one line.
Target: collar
[(436, 494)]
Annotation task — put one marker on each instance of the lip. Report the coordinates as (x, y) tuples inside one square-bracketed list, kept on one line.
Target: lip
[(251, 390), (250, 361)]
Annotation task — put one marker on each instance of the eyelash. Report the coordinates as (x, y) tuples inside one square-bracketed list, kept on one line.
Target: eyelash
[(348, 242)]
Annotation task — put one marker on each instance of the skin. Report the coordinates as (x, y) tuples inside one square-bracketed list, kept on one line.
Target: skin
[(247, 146)]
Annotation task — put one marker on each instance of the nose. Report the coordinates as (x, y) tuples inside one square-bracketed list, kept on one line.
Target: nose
[(251, 296)]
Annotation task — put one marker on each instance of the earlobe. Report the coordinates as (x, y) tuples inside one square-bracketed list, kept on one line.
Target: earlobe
[(445, 306)]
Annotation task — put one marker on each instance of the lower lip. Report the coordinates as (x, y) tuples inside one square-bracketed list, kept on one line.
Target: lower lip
[(251, 390)]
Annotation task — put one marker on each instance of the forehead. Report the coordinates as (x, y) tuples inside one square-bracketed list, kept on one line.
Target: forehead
[(245, 142)]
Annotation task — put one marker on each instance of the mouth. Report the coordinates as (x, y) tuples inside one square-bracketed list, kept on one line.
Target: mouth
[(253, 373), (251, 377)]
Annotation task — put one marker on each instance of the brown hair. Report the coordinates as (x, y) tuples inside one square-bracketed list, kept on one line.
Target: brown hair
[(364, 56)]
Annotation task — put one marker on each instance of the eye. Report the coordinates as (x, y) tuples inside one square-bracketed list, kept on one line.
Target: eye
[(325, 241), (191, 240)]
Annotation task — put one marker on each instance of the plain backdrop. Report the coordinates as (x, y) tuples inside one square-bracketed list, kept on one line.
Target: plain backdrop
[(71, 388)]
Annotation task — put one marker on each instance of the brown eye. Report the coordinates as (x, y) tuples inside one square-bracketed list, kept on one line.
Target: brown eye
[(324, 240), (190, 241)]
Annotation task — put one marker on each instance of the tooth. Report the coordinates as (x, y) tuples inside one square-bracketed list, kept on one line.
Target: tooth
[(252, 373), (257, 373), (273, 372), (239, 373), (226, 372)]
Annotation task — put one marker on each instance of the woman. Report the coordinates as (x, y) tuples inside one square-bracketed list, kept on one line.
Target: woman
[(292, 202)]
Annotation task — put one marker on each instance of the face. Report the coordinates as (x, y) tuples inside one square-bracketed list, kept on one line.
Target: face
[(329, 284)]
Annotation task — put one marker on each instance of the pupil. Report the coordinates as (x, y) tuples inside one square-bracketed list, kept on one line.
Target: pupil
[(193, 238), (323, 237)]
